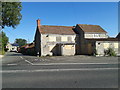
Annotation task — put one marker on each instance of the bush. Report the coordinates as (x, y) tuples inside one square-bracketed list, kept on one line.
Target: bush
[(110, 52)]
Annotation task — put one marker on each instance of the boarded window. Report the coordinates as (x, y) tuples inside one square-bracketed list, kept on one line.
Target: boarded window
[(68, 46), (64, 38), (115, 45), (102, 35), (69, 39), (96, 35), (89, 35), (106, 45), (58, 39), (52, 38)]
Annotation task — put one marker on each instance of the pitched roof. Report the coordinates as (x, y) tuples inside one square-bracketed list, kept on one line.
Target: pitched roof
[(31, 46), (91, 28), (14, 44), (46, 29), (24, 45)]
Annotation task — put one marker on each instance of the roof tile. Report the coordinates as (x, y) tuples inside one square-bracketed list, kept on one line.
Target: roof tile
[(45, 29), (91, 28)]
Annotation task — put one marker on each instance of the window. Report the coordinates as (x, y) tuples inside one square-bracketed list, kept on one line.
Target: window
[(69, 39), (52, 38), (115, 45), (96, 35), (58, 39), (106, 45), (64, 38)]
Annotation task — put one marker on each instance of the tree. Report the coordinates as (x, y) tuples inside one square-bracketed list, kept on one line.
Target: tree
[(3, 41), (10, 12), (21, 41)]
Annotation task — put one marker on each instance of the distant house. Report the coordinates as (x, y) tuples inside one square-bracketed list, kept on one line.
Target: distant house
[(12, 47), (71, 40), (28, 49)]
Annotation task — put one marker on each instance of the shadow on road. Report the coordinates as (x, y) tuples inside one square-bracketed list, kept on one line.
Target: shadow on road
[(13, 54)]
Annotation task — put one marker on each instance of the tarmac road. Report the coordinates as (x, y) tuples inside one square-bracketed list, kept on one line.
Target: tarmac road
[(20, 71)]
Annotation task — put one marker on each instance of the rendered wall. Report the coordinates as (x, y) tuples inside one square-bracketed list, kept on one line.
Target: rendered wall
[(49, 43), (95, 35), (101, 46)]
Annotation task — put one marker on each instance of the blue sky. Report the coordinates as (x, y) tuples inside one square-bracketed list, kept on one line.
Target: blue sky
[(104, 14)]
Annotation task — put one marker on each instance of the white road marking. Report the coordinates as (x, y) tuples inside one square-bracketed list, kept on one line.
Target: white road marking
[(70, 63), (28, 62), (36, 59), (21, 57), (54, 70), (11, 64)]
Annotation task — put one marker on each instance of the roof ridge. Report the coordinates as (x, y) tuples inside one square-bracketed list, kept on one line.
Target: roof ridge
[(56, 26), (89, 24)]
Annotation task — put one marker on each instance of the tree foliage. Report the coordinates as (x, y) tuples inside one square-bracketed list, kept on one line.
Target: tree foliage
[(21, 42), (10, 12), (3, 41)]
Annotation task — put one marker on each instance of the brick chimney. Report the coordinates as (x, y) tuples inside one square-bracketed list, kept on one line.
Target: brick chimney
[(38, 22)]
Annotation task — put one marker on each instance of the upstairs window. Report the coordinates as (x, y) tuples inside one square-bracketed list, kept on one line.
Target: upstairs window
[(64, 38), (96, 35), (52, 38)]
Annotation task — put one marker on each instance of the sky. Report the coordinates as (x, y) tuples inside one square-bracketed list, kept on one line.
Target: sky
[(104, 14)]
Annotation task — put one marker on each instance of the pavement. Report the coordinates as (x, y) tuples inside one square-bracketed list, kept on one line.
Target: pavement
[(22, 71), (1, 56)]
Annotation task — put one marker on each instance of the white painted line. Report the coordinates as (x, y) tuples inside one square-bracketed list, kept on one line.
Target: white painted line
[(21, 57), (54, 70), (26, 60), (36, 59), (70, 63), (29, 62), (11, 64)]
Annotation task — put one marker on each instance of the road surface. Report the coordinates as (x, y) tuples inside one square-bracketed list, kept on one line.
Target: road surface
[(20, 71)]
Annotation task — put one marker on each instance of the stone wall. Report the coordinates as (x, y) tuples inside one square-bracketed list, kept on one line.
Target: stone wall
[(101, 46), (49, 43)]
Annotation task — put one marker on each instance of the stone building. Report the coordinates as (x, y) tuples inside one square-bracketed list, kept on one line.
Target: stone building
[(84, 32), (93, 38), (101, 45), (28, 49), (54, 40), (71, 40), (12, 47)]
